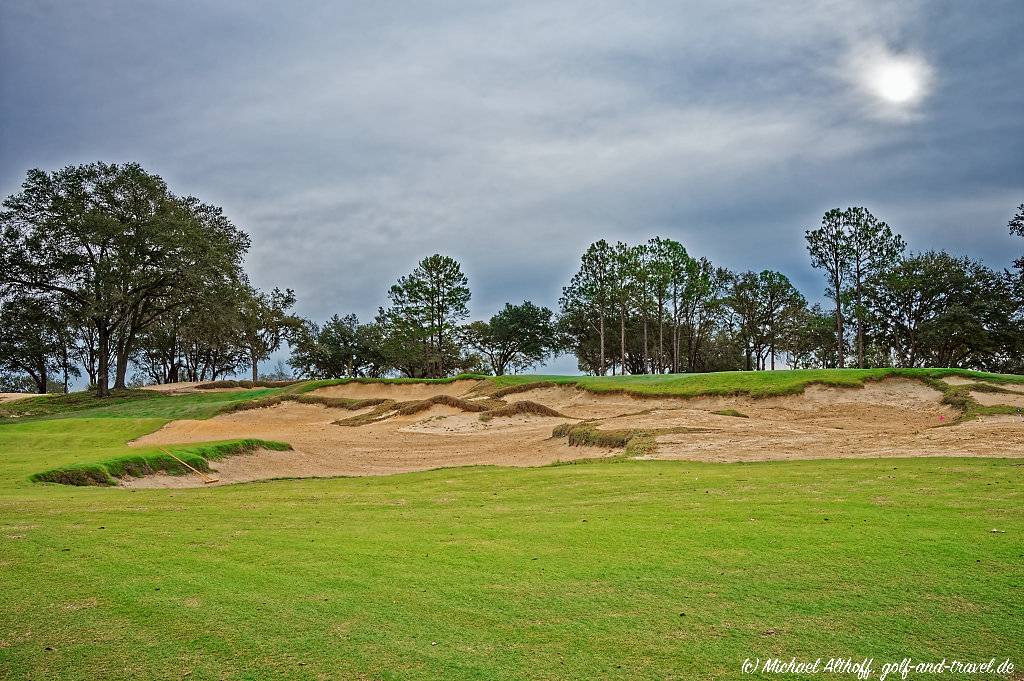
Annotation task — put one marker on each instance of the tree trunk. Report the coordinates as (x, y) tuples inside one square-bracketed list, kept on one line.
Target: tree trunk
[(255, 367), (604, 367), (860, 325), (622, 342), (839, 325), (121, 367), (103, 372), (647, 366), (661, 336)]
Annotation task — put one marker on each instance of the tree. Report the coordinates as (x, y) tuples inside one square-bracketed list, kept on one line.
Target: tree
[(934, 309), (265, 323), (624, 283), (667, 261), (1017, 227), (517, 337), (426, 307), (588, 295), (829, 247), (116, 246), (873, 248), (781, 303), (701, 292), (341, 347), (34, 340), (809, 343)]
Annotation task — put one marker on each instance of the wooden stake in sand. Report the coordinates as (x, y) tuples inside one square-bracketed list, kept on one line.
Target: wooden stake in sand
[(206, 478)]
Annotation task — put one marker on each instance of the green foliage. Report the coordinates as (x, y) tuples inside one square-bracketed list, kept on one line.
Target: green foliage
[(1016, 226), (341, 347), (936, 310), (34, 340), (265, 323), (517, 338), (420, 325), (113, 242)]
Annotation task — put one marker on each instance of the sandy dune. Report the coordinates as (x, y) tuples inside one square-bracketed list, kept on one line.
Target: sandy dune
[(895, 417)]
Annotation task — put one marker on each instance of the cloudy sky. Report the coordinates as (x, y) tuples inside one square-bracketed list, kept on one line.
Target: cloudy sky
[(351, 139)]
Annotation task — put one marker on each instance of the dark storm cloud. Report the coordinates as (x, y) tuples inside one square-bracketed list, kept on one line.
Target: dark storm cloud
[(352, 139)]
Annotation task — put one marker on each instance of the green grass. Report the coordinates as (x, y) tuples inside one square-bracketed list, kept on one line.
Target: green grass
[(129, 404), (753, 383), (622, 570)]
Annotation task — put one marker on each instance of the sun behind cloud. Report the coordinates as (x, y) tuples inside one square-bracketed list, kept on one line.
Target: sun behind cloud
[(896, 82)]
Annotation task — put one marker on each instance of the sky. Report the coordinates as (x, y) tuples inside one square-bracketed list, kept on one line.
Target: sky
[(351, 139)]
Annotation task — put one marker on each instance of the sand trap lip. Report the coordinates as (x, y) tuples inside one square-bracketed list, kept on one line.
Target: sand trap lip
[(894, 417)]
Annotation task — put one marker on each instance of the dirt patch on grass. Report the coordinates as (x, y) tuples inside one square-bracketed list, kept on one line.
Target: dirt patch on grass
[(894, 417), (11, 397)]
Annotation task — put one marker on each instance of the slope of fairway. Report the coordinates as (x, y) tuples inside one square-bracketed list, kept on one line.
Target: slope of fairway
[(613, 569)]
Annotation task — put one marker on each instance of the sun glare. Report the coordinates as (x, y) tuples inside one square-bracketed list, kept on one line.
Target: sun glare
[(898, 80)]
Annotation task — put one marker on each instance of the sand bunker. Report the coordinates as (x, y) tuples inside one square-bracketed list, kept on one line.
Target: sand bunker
[(895, 417), (11, 397)]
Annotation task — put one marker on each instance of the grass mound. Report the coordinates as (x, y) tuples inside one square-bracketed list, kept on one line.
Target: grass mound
[(410, 408), (633, 441), (524, 407), (106, 473)]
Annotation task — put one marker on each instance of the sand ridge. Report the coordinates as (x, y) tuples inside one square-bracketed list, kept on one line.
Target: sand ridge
[(893, 417)]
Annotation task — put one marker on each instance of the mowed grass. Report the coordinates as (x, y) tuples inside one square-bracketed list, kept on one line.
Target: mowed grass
[(598, 570), (754, 383)]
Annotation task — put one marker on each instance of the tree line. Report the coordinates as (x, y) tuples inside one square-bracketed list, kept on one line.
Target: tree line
[(103, 271)]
